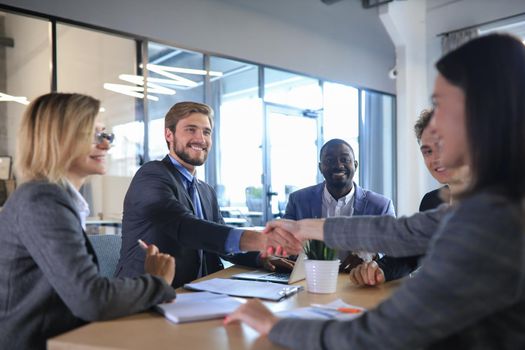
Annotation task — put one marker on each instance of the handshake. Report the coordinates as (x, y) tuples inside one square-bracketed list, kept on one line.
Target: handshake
[(279, 237), (286, 237)]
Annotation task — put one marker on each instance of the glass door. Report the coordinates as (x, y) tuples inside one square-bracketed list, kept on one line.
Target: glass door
[(291, 148)]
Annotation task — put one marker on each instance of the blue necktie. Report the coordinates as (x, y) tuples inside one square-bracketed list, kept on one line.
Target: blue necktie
[(194, 195)]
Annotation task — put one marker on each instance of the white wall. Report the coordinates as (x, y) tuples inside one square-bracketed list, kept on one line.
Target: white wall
[(418, 47), (409, 38), (341, 42), (446, 16)]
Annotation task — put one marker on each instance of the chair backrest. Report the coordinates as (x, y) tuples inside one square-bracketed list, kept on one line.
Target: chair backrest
[(107, 248)]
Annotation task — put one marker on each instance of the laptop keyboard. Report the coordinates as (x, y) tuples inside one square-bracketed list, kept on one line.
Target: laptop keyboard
[(280, 275)]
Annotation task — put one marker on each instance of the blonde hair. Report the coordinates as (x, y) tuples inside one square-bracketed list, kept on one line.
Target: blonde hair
[(56, 129), (182, 110)]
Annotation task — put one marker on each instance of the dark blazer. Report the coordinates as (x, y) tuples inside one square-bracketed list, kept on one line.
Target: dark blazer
[(159, 210), (307, 203), (431, 200), (399, 267), (49, 278)]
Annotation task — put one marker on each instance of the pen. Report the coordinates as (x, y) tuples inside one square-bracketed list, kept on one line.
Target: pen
[(346, 310), (142, 244)]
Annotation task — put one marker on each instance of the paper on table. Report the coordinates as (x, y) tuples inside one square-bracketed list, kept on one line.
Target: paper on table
[(197, 307), (249, 289), (328, 313)]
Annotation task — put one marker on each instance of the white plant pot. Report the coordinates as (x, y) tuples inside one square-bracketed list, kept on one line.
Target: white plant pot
[(321, 275)]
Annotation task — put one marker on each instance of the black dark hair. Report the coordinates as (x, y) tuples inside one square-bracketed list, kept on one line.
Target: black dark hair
[(491, 72), (334, 142), (422, 123)]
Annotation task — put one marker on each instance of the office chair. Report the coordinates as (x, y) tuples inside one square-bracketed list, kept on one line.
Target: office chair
[(107, 248)]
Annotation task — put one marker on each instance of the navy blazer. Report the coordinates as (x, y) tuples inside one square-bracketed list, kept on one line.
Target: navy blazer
[(159, 210), (307, 203)]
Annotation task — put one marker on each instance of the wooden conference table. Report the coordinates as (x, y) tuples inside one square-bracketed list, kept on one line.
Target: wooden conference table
[(149, 330)]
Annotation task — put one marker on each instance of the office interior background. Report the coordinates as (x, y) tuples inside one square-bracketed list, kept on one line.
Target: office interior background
[(283, 77)]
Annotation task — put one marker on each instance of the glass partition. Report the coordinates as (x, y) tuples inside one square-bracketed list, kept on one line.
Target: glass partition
[(341, 115), (378, 144), (94, 63), (25, 61), (292, 90), (239, 115), (174, 75)]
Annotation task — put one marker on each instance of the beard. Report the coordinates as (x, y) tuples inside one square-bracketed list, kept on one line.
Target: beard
[(182, 152), (339, 184)]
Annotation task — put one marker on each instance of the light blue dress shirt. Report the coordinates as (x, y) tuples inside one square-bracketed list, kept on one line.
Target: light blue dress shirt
[(232, 244)]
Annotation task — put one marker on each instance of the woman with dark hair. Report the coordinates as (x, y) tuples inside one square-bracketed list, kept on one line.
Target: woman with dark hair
[(470, 291), (49, 280)]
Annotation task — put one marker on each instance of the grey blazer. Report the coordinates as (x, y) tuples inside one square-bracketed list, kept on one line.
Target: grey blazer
[(468, 294), (49, 281)]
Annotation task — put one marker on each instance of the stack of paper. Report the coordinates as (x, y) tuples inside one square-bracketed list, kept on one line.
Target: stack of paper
[(197, 307), (336, 309), (248, 289)]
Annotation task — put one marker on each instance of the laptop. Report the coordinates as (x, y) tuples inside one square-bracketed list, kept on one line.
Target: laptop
[(297, 274)]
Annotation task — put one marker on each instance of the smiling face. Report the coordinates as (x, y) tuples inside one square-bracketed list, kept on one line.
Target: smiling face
[(191, 141), (93, 163), (448, 124), (430, 152), (338, 166)]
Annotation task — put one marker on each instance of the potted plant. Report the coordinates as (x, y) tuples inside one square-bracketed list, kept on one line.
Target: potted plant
[(321, 267)]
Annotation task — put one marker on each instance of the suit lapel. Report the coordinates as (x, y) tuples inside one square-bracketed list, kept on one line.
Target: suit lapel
[(177, 182), (317, 201), (90, 249), (359, 200)]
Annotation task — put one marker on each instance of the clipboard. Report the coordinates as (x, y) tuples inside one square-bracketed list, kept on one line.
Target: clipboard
[(246, 289)]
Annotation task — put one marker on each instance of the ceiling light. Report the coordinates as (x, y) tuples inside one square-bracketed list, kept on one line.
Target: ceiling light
[(129, 90), (9, 98), (184, 70)]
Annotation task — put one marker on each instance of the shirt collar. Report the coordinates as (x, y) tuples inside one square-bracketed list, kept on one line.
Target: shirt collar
[(329, 198), (185, 172), (81, 205)]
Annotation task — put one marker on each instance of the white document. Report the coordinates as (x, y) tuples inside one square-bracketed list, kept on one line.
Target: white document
[(197, 307), (325, 312), (248, 289)]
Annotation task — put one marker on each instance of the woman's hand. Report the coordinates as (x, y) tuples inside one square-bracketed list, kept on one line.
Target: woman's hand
[(159, 264), (367, 273), (255, 315)]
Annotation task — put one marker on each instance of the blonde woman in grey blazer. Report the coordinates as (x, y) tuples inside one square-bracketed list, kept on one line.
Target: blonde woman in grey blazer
[(470, 291), (49, 280)]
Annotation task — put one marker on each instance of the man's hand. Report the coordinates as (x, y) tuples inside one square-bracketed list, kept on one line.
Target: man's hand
[(267, 244), (367, 273), (255, 315), (158, 264), (274, 263)]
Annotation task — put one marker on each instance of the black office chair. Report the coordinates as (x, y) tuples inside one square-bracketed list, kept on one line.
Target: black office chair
[(107, 248)]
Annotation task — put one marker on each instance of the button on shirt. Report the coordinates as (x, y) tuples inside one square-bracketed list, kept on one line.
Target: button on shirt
[(232, 244)]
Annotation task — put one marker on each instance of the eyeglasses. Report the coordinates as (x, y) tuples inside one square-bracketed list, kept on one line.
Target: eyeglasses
[(101, 136)]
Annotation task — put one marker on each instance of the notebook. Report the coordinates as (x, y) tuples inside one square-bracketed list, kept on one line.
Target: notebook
[(297, 274), (198, 306)]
